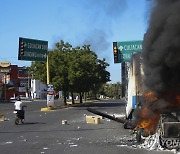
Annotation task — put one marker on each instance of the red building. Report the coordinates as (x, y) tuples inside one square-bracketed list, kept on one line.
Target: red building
[(15, 81)]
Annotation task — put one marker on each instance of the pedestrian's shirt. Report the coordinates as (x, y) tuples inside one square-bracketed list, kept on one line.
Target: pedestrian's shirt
[(18, 105)]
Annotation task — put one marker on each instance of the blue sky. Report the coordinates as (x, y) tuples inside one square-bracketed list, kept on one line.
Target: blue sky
[(94, 22)]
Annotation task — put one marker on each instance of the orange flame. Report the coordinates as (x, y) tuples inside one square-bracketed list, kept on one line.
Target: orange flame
[(150, 117), (150, 96), (148, 122)]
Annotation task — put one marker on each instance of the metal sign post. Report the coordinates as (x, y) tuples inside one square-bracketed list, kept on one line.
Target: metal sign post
[(36, 50), (48, 76)]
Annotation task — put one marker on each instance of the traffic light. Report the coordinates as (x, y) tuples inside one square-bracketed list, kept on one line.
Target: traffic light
[(115, 51), (22, 49)]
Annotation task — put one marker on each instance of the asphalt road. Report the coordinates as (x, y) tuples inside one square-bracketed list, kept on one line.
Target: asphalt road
[(43, 132)]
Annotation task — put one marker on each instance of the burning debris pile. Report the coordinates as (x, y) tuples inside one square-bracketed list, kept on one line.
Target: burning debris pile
[(161, 61), (152, 108)]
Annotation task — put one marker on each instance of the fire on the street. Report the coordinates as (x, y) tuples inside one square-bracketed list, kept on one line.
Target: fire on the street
[(148, 118), (150, 112)]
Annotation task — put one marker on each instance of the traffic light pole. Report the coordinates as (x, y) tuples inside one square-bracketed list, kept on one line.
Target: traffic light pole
[(48, 76)]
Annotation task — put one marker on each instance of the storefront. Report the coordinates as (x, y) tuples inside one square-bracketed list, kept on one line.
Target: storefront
[(14, 80)]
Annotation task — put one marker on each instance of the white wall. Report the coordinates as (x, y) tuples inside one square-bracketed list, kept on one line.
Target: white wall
[(38, 89)]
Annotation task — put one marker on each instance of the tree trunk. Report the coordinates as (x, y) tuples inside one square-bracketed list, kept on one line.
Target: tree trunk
[(72, 97), (84, 96), (95, 96), (80, 99), (65, 101)]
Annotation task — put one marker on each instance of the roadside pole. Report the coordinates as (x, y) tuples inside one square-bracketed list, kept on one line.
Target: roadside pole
[(50, 89), (33, 50), (47, 63)]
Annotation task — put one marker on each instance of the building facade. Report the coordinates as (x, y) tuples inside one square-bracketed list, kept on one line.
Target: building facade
[(14, 81), (38, 89)]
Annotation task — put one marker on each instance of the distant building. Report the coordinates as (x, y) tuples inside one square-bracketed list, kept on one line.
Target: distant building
[(13, 81), (16, 81), (38, 89)]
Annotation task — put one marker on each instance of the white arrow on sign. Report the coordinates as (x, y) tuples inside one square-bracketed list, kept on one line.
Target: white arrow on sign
[(45, 55), (121, 47), (25, 44)]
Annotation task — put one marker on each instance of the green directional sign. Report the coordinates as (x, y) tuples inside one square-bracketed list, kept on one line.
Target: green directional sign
[(32, 50), (127, 48)]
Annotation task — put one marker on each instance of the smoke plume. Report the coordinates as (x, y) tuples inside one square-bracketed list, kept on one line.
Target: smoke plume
[(103, 12), (161, 47), (161, 60)]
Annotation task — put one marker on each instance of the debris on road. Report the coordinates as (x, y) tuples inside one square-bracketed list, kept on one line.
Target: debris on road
[(73, 145), (45, 148), (2, 118), (64, 122), (93, 119)]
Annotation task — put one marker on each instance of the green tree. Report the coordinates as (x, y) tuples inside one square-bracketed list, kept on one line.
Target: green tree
[(101, 76), (59, 65), (73, 69), (38, 70), (112, 90), (86, 71)]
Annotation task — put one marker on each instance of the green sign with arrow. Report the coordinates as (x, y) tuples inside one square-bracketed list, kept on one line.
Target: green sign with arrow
[(127, 48), (32, 50)]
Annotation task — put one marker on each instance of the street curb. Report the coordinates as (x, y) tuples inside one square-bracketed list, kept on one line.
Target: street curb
[(46, 109), (66, 106), (55, 108)]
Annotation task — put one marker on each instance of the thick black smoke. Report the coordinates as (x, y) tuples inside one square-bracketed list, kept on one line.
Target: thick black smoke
[(161, 48), (161, 59)]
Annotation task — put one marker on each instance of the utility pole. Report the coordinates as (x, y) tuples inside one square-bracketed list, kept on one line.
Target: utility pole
[(50, 90), (48, 76)]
